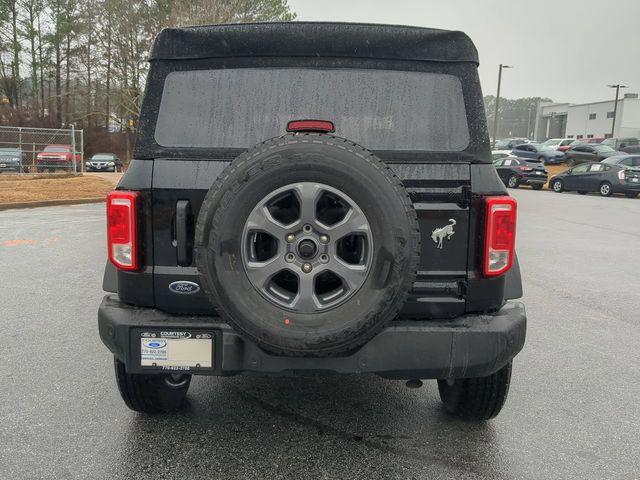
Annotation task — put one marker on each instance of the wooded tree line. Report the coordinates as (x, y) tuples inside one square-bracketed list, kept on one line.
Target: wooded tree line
[(516, 116), (83, 62)]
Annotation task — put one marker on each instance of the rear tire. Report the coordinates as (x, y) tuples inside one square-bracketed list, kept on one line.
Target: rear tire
[(280, 326), (151, 393), (476, 399), (512, 182), (537, 186), (606, 189), (557, 186), (631, 194)]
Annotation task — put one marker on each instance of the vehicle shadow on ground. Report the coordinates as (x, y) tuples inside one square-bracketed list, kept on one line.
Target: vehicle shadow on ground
[(283, 427)]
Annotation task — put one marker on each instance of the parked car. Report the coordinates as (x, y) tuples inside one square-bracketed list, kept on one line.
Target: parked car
[(496, 154), (625, 160), (518, 171), (247, 238), (604, 178), (13, 160), (57, 157), (586, 141), (546, 154), (587, 153), (631, 149), (558, 143), (620, 143), (509, 143), (104, 162)]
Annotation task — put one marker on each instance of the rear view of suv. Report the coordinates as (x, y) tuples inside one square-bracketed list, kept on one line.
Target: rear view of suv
[(312, 197)]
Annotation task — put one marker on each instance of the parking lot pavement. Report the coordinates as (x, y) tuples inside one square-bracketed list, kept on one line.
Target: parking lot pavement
[(573, 409)]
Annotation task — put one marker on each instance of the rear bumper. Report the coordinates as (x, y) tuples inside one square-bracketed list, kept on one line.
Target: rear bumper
[(629, 187), (467, 346), (533, 179)]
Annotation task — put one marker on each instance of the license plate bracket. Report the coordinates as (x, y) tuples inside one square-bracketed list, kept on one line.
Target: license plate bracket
[(174, 350)]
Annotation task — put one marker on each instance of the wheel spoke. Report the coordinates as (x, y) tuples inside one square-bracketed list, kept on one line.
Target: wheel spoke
[(354, 222), (261, 272), (261, 220), (308, 194), (306, 299), (352, 275)]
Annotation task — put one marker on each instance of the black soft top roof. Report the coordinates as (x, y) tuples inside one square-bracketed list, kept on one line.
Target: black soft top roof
[(314, 39)]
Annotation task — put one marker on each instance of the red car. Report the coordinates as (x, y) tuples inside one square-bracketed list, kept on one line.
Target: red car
[(57, 157)]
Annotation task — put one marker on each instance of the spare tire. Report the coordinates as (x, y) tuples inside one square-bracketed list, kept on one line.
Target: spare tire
[(307, 245)]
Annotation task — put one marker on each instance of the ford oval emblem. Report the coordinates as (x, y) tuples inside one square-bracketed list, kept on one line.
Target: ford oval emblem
[(155, 343), (183, 287)]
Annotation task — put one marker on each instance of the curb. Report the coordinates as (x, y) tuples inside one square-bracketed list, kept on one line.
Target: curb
[(51, 203)]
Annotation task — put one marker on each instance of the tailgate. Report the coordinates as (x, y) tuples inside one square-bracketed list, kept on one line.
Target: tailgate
[(439, 193)]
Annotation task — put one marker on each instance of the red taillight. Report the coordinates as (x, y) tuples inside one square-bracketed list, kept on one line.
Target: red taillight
[(526, 169), (122, 238), (310, 126), (621, 175), (500, 235)]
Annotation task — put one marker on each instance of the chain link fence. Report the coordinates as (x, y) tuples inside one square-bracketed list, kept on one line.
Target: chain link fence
[(41, 150)]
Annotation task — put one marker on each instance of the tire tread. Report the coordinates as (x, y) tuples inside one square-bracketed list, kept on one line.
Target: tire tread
[(477, 399), (209, 216)]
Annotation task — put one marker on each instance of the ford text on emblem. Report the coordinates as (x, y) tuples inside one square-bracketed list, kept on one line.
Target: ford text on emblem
[(184, 287)]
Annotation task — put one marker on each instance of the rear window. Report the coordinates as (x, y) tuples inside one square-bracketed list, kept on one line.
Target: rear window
[(380, 109)]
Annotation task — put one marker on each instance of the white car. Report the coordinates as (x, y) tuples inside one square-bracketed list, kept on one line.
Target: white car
[(558, 142), (496, 154)]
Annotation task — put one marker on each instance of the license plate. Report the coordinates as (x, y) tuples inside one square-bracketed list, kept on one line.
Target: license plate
[(3, 165), (174, 350), (538, 173), (633, 179)]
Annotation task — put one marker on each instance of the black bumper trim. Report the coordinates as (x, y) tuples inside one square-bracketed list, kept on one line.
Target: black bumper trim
[(467, 346)]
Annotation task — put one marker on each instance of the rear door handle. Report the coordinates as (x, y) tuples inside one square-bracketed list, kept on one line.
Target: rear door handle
[(183, 232)]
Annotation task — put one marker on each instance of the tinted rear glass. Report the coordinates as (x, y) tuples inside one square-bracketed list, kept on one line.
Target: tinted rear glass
[(380, 109)]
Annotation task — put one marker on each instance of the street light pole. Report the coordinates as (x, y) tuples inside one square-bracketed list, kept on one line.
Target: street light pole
[(615, 106), (529, 121), (495, 117)]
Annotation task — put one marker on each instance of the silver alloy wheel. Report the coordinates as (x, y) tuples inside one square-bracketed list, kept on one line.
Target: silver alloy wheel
[(513, 181), (307, 247), (605, 189), (557, 186)]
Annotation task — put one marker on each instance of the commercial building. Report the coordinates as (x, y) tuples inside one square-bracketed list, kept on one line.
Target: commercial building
[(588, 120)]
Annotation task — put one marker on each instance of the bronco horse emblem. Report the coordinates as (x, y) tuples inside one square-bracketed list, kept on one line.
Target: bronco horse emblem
[(439, 234)]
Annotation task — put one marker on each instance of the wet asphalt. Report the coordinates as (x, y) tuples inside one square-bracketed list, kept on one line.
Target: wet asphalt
[(573, 410)]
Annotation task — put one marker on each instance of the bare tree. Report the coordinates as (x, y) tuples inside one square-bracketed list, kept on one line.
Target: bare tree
[(85, 61)]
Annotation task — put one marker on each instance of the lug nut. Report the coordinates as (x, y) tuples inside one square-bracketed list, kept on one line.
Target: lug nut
[(291, 237), (324, 239), (289, 257), (306, 267)]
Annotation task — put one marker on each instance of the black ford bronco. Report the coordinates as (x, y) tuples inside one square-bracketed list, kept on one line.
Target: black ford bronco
[(312, 197)]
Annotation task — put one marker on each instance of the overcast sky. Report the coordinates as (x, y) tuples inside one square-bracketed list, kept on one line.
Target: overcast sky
[(568, 50)]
